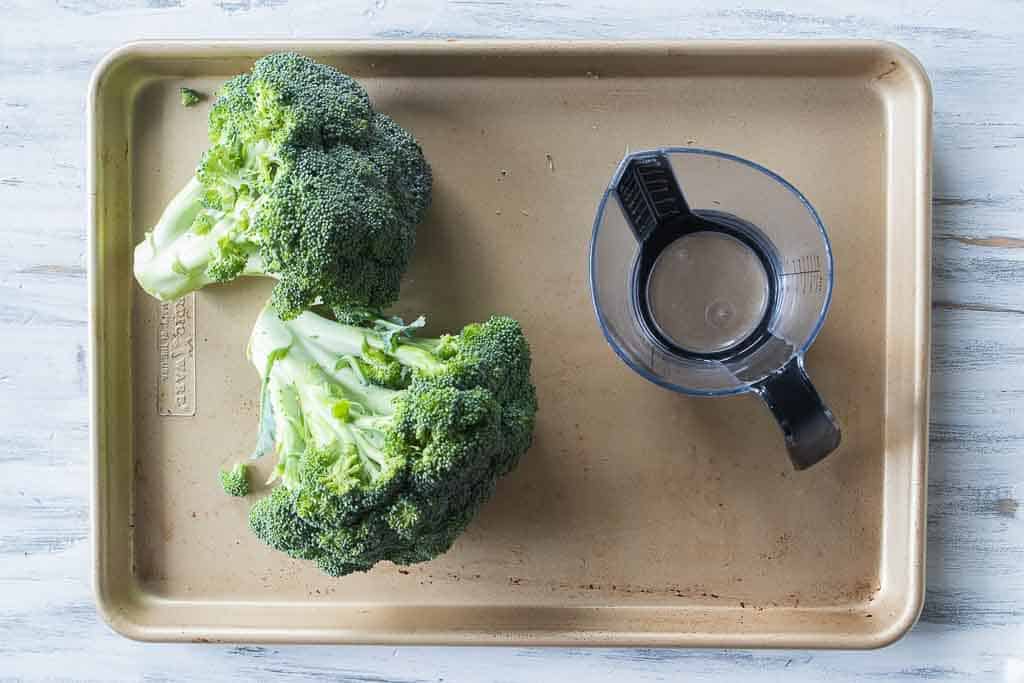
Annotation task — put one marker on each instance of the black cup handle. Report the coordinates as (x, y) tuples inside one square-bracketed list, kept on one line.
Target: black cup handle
[(809, 426), (650, 194)]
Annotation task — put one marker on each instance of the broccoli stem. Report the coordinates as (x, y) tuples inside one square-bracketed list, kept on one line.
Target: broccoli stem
[(178, 215), (372, 455), (349, 340), (291, 441), (169, 273), (306, 390), (313, 405), (172, 261)]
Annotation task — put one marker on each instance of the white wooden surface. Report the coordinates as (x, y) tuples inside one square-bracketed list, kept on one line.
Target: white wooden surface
[(973, 622)]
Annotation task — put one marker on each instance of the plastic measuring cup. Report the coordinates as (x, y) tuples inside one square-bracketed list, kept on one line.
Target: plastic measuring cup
[(720, 291)]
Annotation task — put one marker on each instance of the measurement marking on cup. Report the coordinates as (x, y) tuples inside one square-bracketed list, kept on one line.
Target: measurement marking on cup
[(810, 276)]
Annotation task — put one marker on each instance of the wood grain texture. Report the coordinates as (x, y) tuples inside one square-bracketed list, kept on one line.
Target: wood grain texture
[(973, 623)]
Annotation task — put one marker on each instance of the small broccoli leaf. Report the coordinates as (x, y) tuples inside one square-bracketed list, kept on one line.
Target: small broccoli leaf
[(268, 428), (265, 439), (395, 328)]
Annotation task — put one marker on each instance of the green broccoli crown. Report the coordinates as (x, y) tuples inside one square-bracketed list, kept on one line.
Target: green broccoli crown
[(302, 181), (235, 481), (273, 521), (394, 469)]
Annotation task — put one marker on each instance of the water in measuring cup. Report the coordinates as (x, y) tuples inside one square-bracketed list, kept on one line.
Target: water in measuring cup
[(707, 291)]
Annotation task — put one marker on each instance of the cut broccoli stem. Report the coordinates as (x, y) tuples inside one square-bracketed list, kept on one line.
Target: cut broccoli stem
[(373, 422), (175, 259), (313, 405), (370, 452), (167, 273), (177, 218), (305, 397), (349, 340), (353, 363), (317, 411), (414, 356), (291, 438)]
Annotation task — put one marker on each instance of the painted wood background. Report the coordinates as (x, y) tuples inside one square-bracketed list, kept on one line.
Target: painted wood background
[(973, 622)]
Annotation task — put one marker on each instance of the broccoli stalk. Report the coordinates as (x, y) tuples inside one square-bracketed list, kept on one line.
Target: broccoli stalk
[(387, 444), (302, 182), (322, 372), (175, 259)]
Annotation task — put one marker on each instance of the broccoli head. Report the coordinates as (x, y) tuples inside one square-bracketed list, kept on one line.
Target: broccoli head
[(387, 444), (273, 521), (303, 181)]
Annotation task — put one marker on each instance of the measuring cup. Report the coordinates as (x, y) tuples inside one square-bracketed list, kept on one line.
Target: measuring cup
[(719, 292)]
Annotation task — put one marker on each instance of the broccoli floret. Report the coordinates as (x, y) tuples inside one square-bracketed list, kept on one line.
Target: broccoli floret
[(304, 182), (392, 463), (235, 481), (190, 97), (273, 521)]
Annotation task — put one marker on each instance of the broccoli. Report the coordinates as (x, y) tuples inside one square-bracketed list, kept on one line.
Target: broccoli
[(235, 481), (189, 97), (273, 520), (387, 444), (302, 182)]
